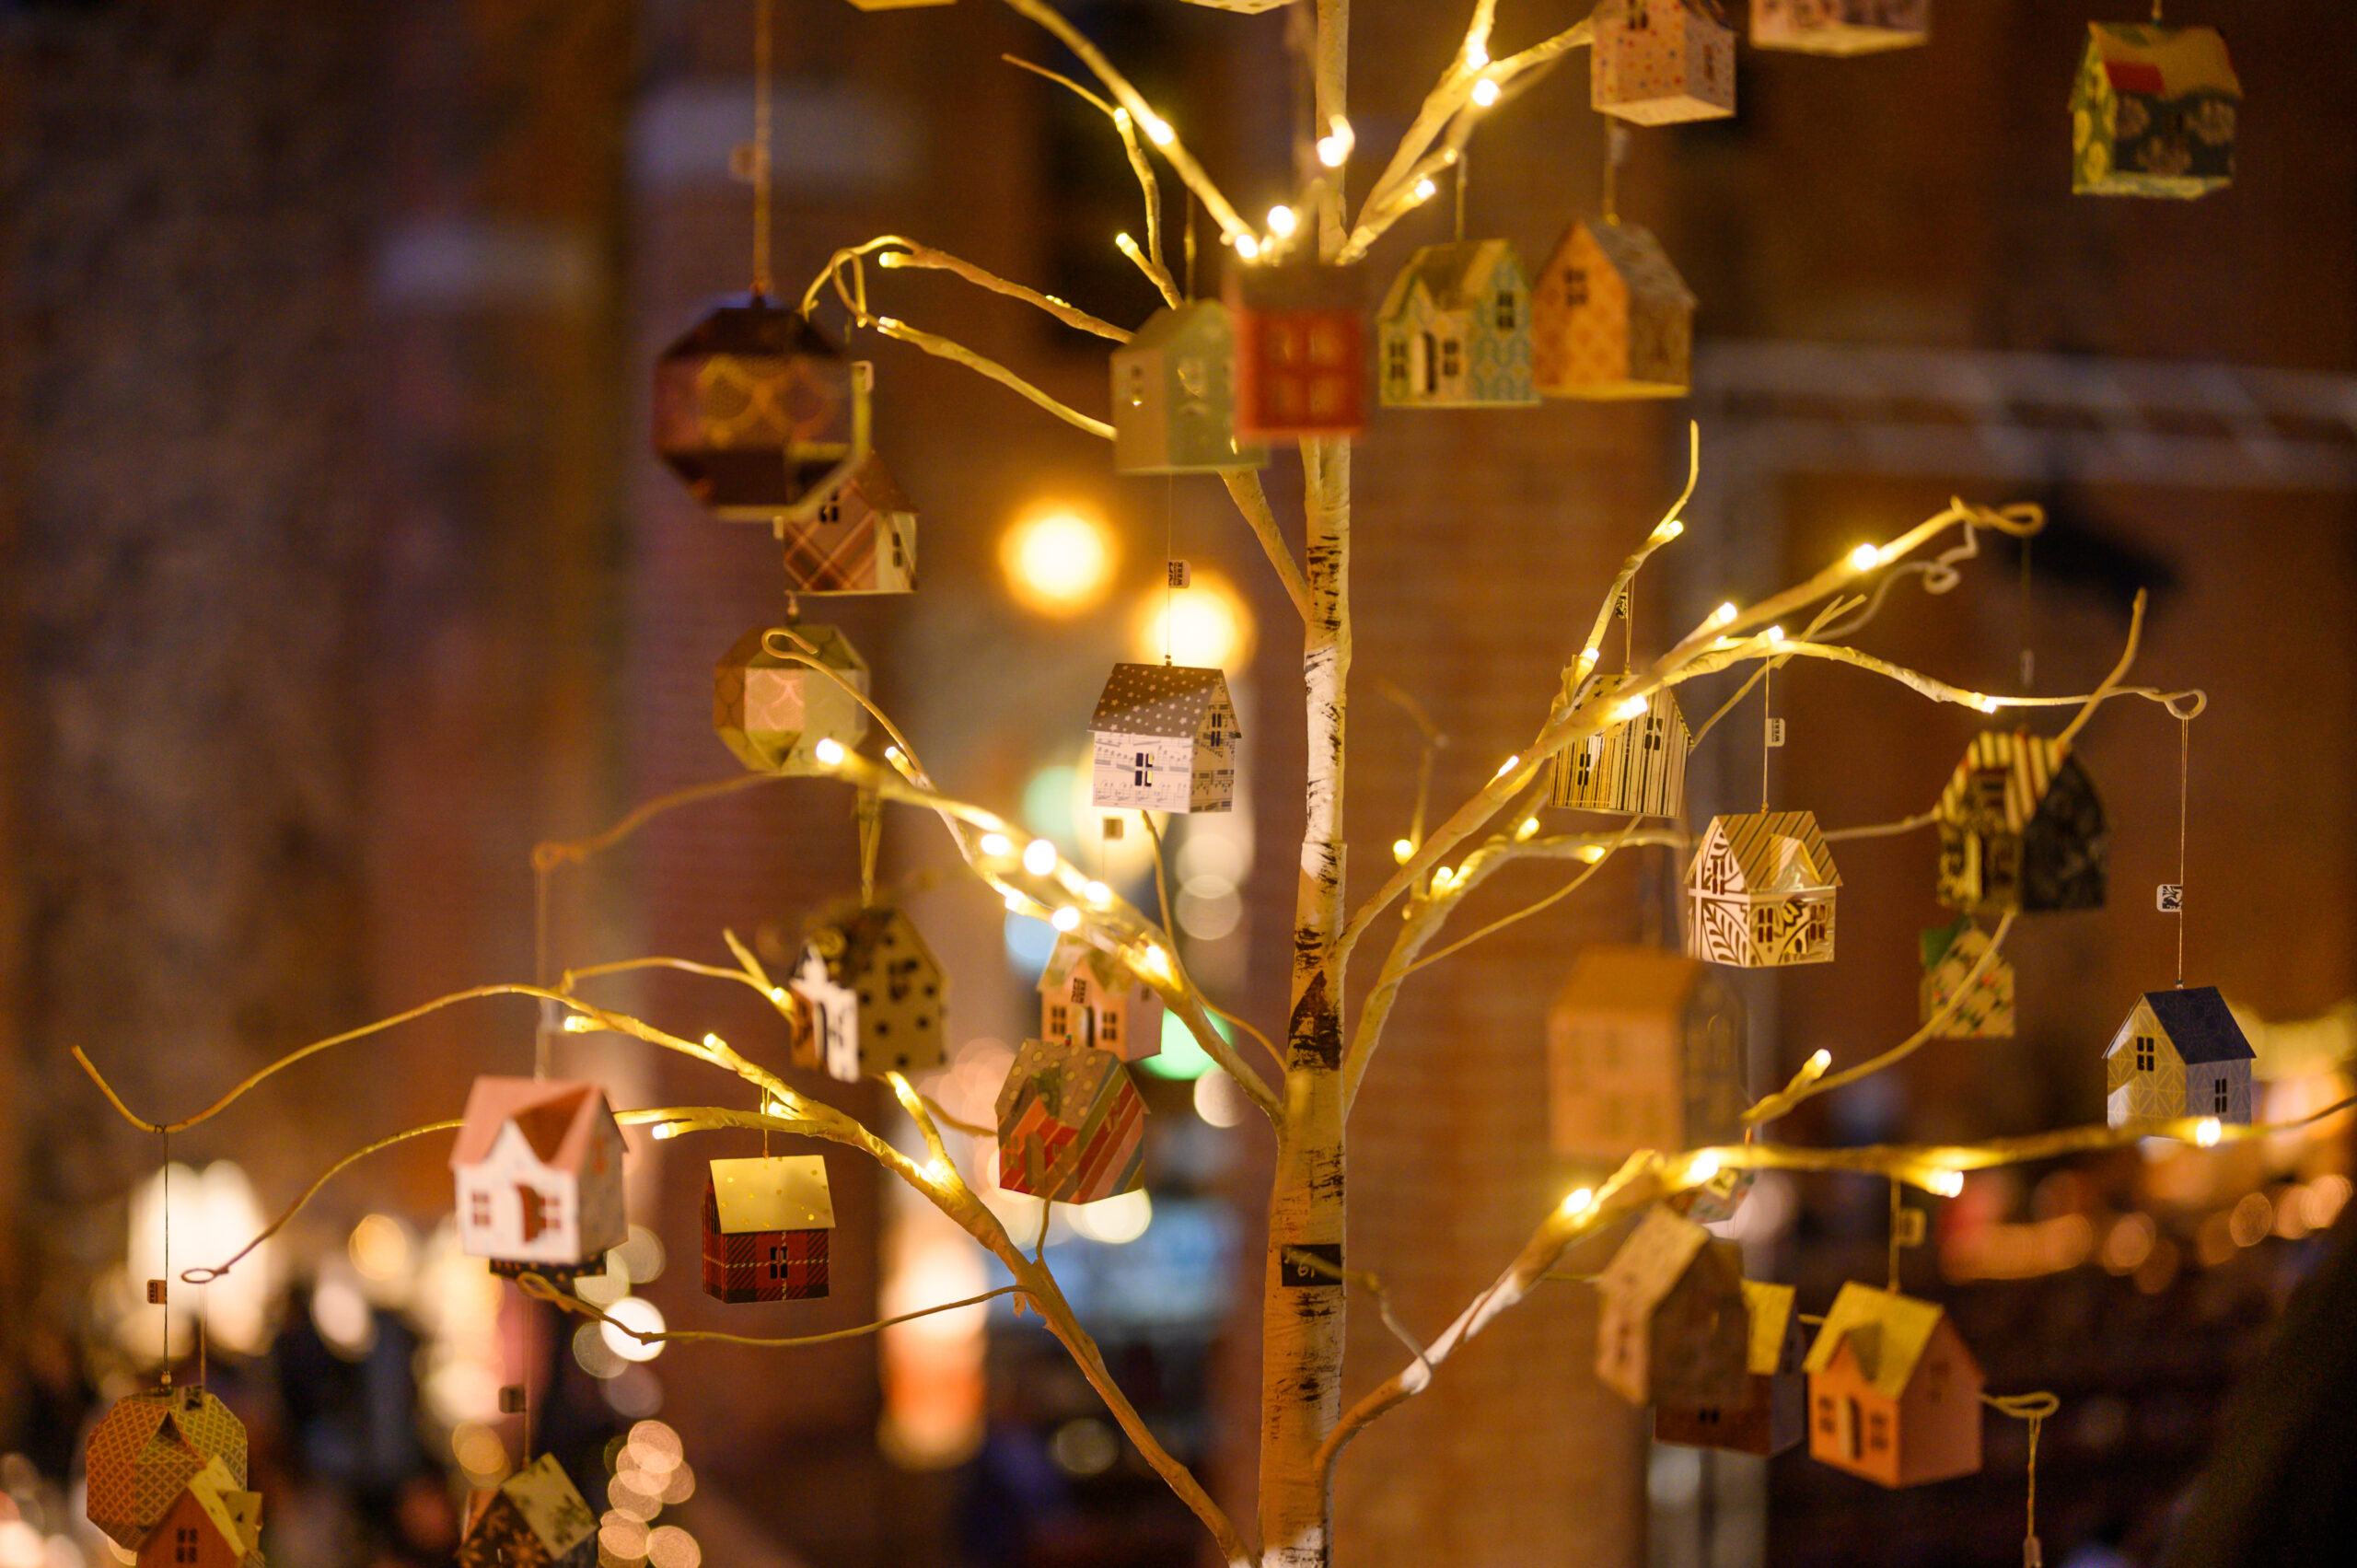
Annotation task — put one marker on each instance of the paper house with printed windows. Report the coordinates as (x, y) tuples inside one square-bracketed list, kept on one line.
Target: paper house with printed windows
[(1611, 318), (1300, 350), (1840, 27), (2179, 1054), (1644, 1051), (1673, 1324), (1165, 739), (1454, 330), (871, 996), (757, 413), (2021, 828), (214, 1523), (1772, 1413), (772, 711), (1894, 1395), (1986, 1011), (1071, 1125), (1090, 997), (1174, 395), (1760, 892), (533, 1519), (765, 1226), (861, 538), (147, 1448), (538, 1167), (1637, 766), (1655, 62), (2153, 113)]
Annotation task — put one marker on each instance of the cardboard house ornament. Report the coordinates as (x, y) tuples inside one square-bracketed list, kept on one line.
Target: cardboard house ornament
[(2153, 113), (1636, 767), (147, 1448), (1840, 27), (1611, 318), (861, 538), (214, 1523), (537, 1168), (1644, 1051), (1071, 1125), (1453, 331), (533, 1519), (1174, 395), (1166, 738), (2179, 1054), (771, 711), (766, 1222), (1674, 1324), (2021, 828), (871, 995), (1761, 891), (1772, 1413), (1090, 997), (757, 413), (1894, 1394), (1949, 954), (1657, 62), (1300, 350)]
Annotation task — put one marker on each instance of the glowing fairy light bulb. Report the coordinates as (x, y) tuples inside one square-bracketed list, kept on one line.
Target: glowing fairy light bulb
[(1485, 92), (1477, 54), (1065, 919), (1865, 558), (1578, 1201), (1401, 850), (1039, 857), (1246, 247), (2208, 1132), (1426, 189), (1334, 147), (1633, 707), (1282, 221), (1705, 1166), (996, 844), (1724, 614)]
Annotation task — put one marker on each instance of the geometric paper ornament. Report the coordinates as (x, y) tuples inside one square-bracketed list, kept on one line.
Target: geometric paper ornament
[(2179, 1054), (1840, 27), (765, 1225), (1672, 1322), (757, 413), (1761, 891), (537, 1170), (1300, 350), (1636, 766), (1611, 318), (1949, 952), (1071, 1125), (871, 996), (2153, 113), (1769, 1416), (1454, 330), (772, 711), (1644, 1051), (1089, 997), (1165, 740), (533, 1519), (147, 1448), (214, 1523), (1655, 62), (861, 539), (2021, 828), (1174, 395), (1894, 1394)]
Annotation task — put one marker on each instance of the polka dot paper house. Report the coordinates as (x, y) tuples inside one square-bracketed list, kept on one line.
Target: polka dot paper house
[(1770, 1415), (766, 1222), (1986, 1011), (1657, 62), (757, 413), (1300, 351), (214, 1523), (148, 1447), (871, 996), (1165, 739), (533, 1519), (1673, 1322), (2179, 1054), (1454, 330), (537, 1170), (1894, 1394), (771, 711), (2153, 113), (1174, 395), (1071, 1125), (2021, 828), (1090, 997), (861, 539), (1840, 27), (1760, 891), (1636, 767), (1611, 318)]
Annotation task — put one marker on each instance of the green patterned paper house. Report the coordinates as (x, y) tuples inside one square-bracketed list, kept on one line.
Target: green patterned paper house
[(1454, 330), (2180, 1053), (1761, 891), (2153, 113), (1165, 740), (1174, 395), (861, 539), (1950, 953)]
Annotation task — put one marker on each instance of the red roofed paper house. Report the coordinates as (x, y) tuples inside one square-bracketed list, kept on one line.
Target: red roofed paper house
[(538, 1170)]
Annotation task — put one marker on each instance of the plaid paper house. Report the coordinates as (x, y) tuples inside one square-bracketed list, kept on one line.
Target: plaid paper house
[(2153, 113), (1771, 1413), (1637, 766), (147, 1448), (765, 1226), (1657, 62), (533, 1519), (214, 1523), (861, 539), (1673, 1323), (2179, 1054), (537, 1170), (1760, 891), (1071, 1125), (1454, 330), (871, 996), (1165, 740), (1611, 318), (1300, 350), (1174, 395), (772, 711), (1090, 997), (1987, 1010), (1894, 1395), (757, 413), (2021, 828), (1840, 27)]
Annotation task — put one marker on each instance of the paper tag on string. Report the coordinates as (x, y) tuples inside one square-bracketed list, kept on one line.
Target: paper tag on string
[(1906, 1229), (154, 1293), (1775, 733), (2169, 898), (1114, 828), (1179, 575), (511, 1400)]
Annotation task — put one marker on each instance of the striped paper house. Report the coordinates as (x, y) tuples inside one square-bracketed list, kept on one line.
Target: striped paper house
[(860, 540), (1071, 1125), (1165, 740), (765, 1225), (1656, 62), (1987, 1010), (1761, 891), (2020, 829), (2179, 1054), (1637, 766)]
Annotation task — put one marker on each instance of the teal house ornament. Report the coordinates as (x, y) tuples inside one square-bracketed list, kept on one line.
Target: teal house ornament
[(2153, 113), (1174, 395), (1454, 330)]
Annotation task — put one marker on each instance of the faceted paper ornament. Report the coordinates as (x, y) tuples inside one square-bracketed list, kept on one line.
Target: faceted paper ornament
[(1987, 1010), (1300, 350), (1637, 766), (1673, 1323), (1644, 1051), (1454, 330), (765, 1227), (2153, 113), (772, 711), (214, 1523), (757, 413), (1165, 740), (537, 1168), (1174, 395), (1894, 1395), (533, 1519), (2179, 1054), (1656, 62), (860, 540), (149, 1446), (871, 995), (1071, 1125), (1761, 891), (2021, 830), (1610, 317), (1840, 27), (1090, 997), (1772, 1413)]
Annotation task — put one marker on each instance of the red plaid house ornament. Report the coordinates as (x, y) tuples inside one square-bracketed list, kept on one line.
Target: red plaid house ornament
[(1071, 1125), (765, 1225)]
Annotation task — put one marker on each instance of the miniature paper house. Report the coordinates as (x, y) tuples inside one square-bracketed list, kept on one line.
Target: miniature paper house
[(1987, 1010), (861, 539), (538, 1164), (1673, 1324), (1655, 62), (1637, 766), (2153, 113), (758, 412), (1772, 1413), (1894, 1395), (1174, 395), (1165, 740), (2020, 829), (1071, 1125), (1300, 351), (1761, 891), (533, 1519), (1840, 27), (871, 997), (1454, 330), (2179, 1054), (146, 1448), (773, 712), (1644, 1051), (214, 1523), (1611, 318), (765, 1226), (1090, 997)]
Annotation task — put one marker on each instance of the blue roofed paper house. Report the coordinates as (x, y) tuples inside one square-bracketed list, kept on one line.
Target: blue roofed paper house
[(2179, 1054), (1454, 330), (1165, 740)]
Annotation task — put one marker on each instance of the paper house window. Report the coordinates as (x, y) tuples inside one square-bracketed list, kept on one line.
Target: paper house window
[(2021, 828), (1071, 1125), (2179, 1054), (1165, 739), (1766, 1418), (1950, 953), (771, 711), (1673, 1322), (1840, 27), (538, 1167), (1174, 395), (1300, 351), (1761, 891), (147, 1448), (1885, 1358), (1091, 998), (1655, 62), (860, 540), (2153, 113), (766, 1222), (1611, 318), (1644, 1050), (533, 1519), (757, 413), (1451, 329)]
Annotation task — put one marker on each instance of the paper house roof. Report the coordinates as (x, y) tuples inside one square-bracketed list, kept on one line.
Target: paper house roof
[(1771, 1314), (2161, 62), (143, 1451), (772, 1192), (1454, 277), (1887, 1333), (852, 944), (2199, 1025), (1204, 319), (544, 1499), (1614, 979), (1069, 1076), (1158, 699), (1654, 1259), (1939, 940), (557, 1118), (2030, 762), (873, 483), (1777, 851), (1070, 952), (1638, 257)]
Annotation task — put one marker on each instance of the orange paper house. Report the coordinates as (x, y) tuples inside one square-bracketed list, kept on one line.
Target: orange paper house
[(1894, 1395), (1611, 318), (1300, 351), (214, 1523), (147, 1448)]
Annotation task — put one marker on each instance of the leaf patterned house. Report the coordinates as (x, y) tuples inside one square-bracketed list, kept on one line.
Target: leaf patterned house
[(1165, 740), (1644, 1051), (533, 1519), (1071, 1125), (2021, 828), (1949, 952), (2179, 1054), (1840, 27), (1611, 318), (537, 1167), (871, 996), (1658, 61), (1637, 766), (1772, 1413), (1454, 330), (1894, 1395), (860, 540), (1761, 891), (766, 1222), (1174, 395), (2153, 113), (1090, 997), (1672, 1323)]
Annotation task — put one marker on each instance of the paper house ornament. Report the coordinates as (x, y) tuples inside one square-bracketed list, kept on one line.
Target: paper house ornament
[(772, 711), (214, 1523), (538, 1166), (533, 1519), (1655, 62), (1772, 1413), (1165, 740), (1637, 767), (1071, 1125), (1454, 330), (2020, 829), (1894, 1395), (1673, 1324), (1090, 997), (148, 1447), (861, 539), (757, 413), (1761, 891), (2179, 1054), (2153, 113), (1611, 318), (1300, 351), (765, 1227), (1840, 27), (1987, 1010), (871, 997), (1174, 395), (1644, 1051)]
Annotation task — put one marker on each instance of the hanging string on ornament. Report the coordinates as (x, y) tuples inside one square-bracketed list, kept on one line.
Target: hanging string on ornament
[(1462, 163), (1616, 150), (2036, 1409), (869, 812), (1174, 577), (1907, 1225), (1189, 243), (2029, 655), (760, 158), (2171, 896), (159, 1291)]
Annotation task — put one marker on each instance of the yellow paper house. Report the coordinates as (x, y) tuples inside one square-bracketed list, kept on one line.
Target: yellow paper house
[(2179, 1054), (1655, 62), (2021, 828), (772, 711), (2153, 113), (1894, 1395), (861, 539), (1840, 27), (1673, 1324), (1761, 891), (1090, 997), (871, 996), (1949, 954), (1637, 766), (1644, 1051), (1611, 318)]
